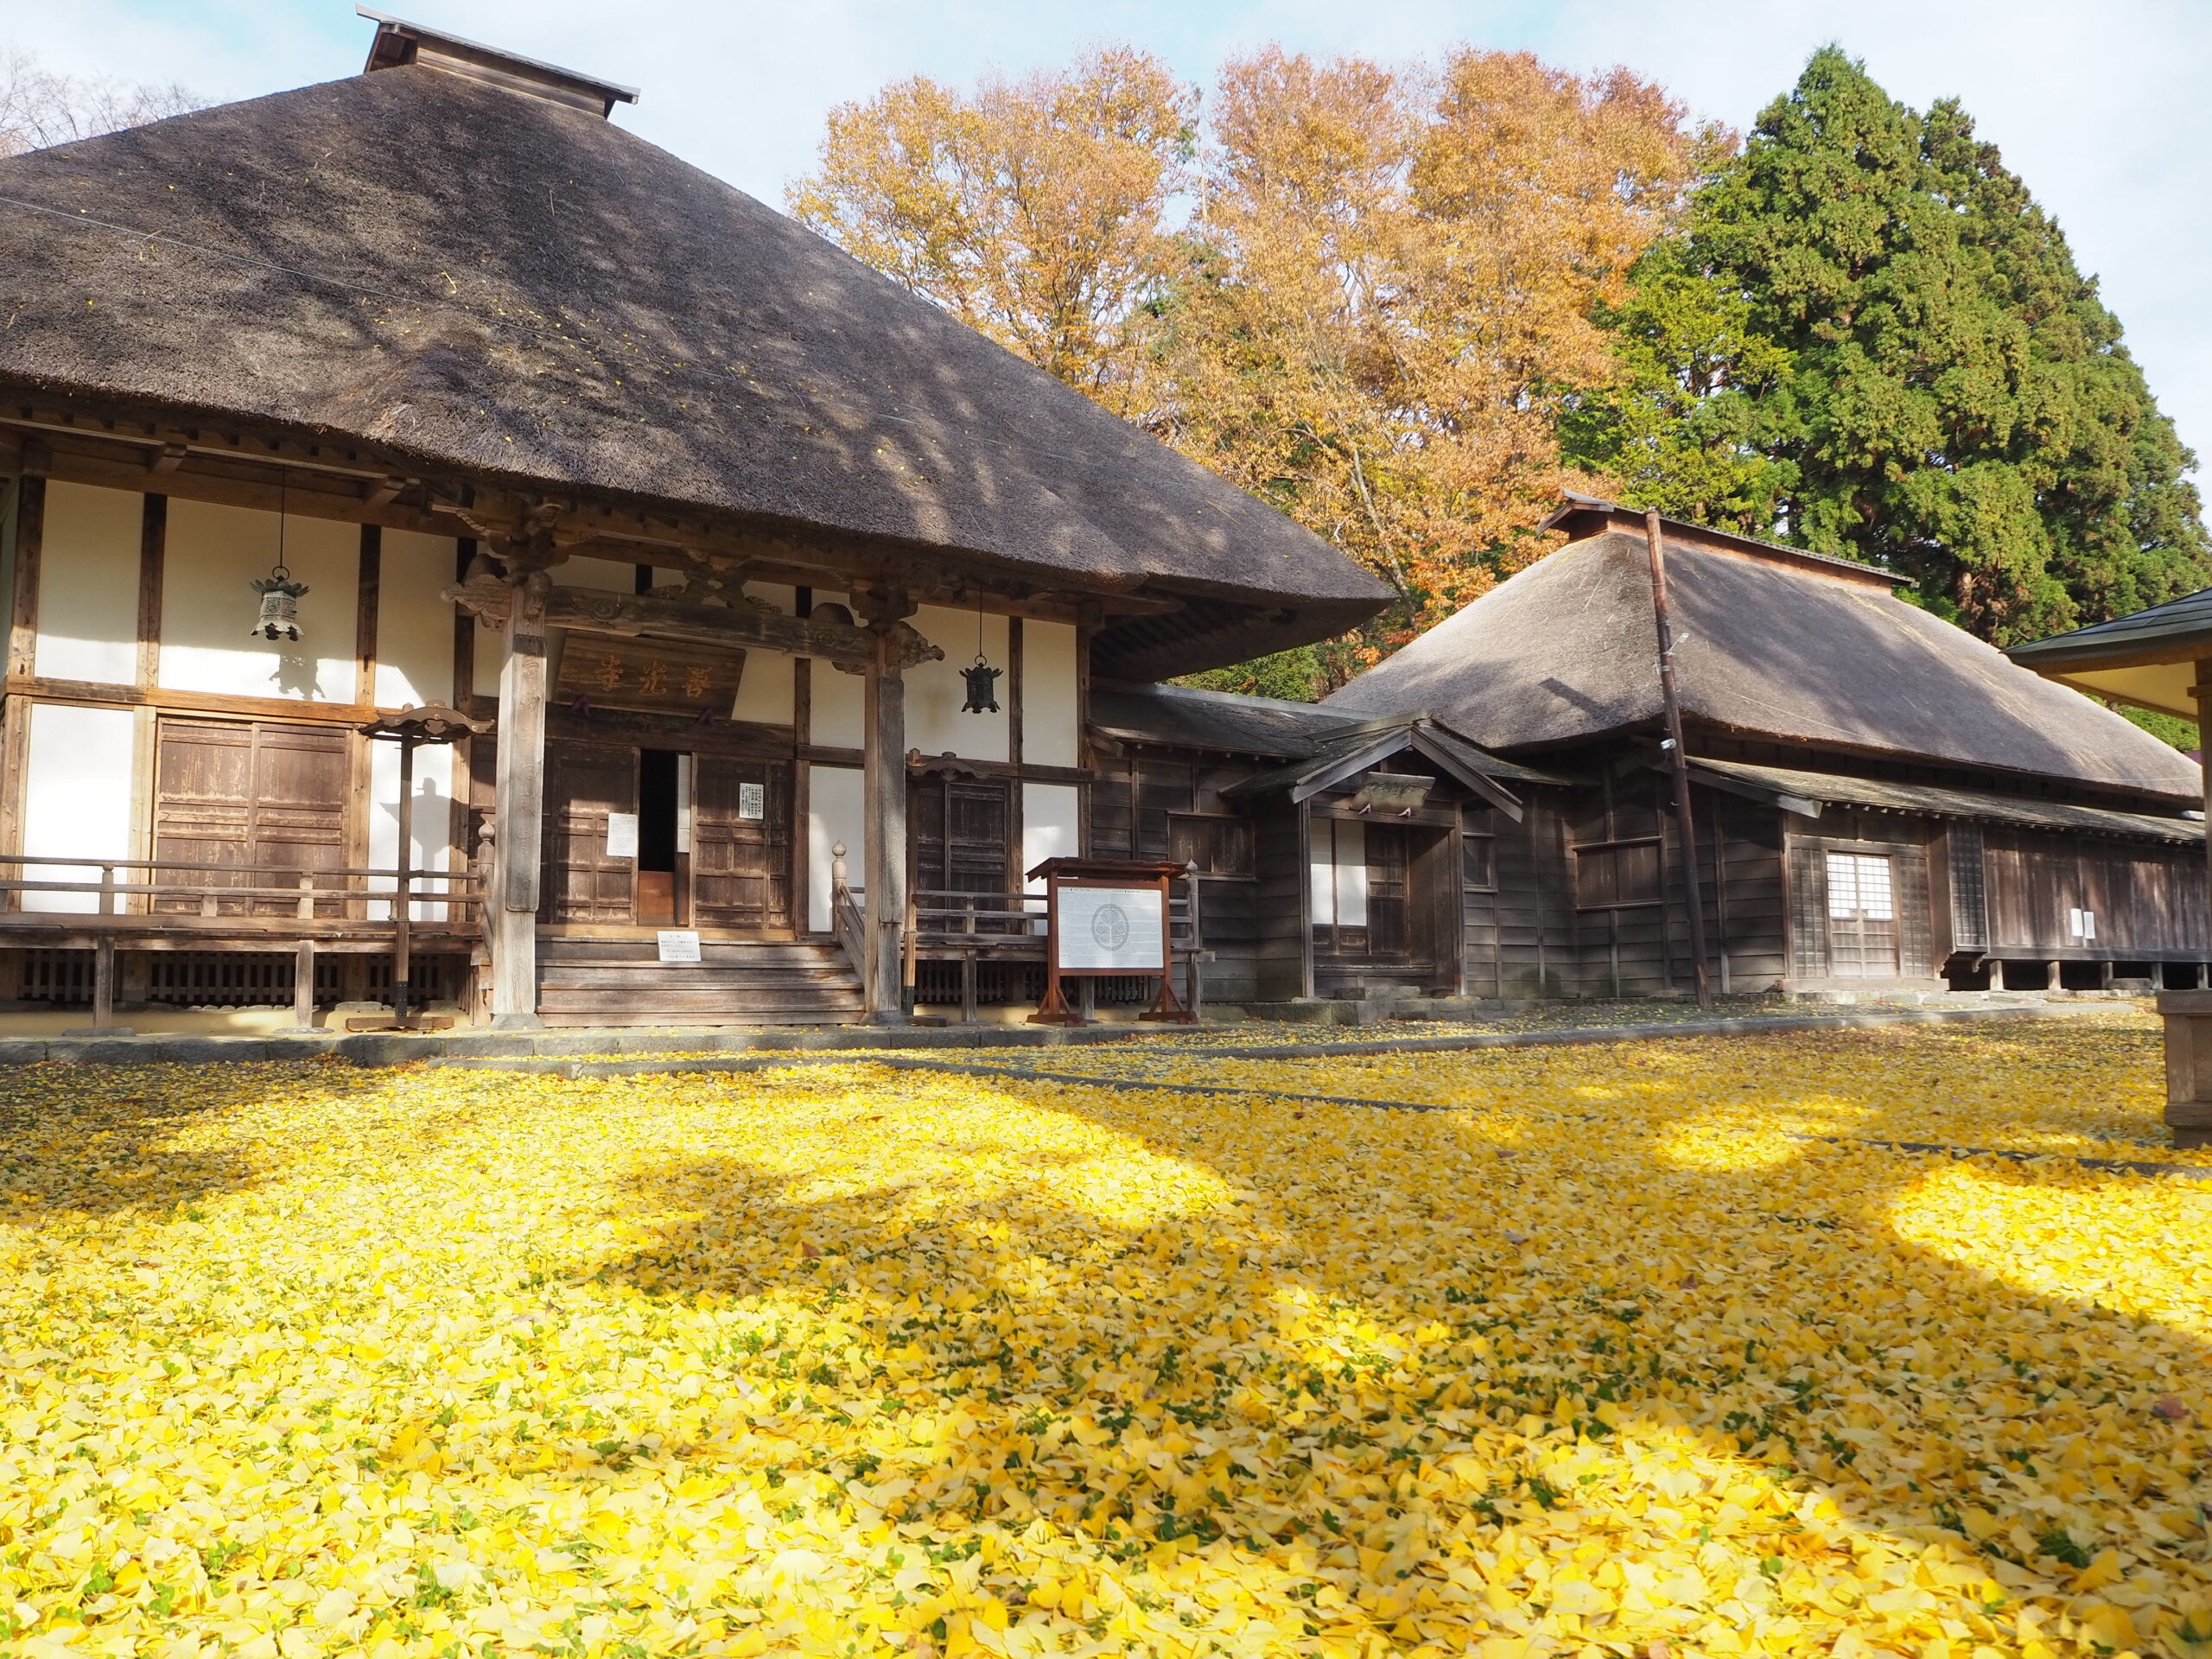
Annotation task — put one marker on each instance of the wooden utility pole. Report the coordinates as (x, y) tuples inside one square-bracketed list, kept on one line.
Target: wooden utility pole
[(1678, 761)]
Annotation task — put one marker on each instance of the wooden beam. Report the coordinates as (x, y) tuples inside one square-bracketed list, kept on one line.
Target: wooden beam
[(744, 623), (31, 538), (519, 821), (195, 703), (153, 552), (368, 586)]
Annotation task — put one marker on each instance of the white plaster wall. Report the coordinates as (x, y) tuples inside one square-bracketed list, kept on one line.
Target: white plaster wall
[(935, 690), (490, 657), (838, 702), (88, 585), (414, 626), (1050, 825), (76, 797), (601, 575), (836, 811), (1052, 731), (771, 593), (207, 606), (768, 691), (431, 831)]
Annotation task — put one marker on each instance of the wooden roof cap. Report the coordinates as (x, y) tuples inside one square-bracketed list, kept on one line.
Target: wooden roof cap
[(399, 43), (1584, 516)]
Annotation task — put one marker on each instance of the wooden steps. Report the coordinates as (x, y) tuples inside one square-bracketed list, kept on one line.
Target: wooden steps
[(621, 982)]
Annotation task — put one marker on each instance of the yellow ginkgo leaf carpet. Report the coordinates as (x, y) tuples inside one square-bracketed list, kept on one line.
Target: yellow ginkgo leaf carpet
[(1636, 1349)]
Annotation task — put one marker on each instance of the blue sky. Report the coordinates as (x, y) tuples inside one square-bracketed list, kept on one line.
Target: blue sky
[(2098, 104)]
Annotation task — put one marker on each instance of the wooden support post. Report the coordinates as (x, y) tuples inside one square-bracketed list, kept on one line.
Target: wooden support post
[(104, 982), (1680, 767), (304, 987), (403, 902), (884, 762), (519, 816)]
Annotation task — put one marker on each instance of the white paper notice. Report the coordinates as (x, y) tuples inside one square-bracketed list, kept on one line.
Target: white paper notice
[(678, 945), (621, 835), (753, 800), (1113, 929)]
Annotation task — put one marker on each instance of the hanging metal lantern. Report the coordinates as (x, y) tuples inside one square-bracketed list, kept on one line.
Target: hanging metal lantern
[(982, 678), (982, 698), (280, 604), (280, 594)]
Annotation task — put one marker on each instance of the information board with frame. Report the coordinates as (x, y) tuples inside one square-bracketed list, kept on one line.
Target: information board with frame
[(1107, 918)]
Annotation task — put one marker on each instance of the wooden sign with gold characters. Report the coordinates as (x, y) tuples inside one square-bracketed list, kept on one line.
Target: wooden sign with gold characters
[(660, 676)]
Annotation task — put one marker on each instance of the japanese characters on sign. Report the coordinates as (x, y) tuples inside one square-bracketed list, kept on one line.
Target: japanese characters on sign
[(652, 676)]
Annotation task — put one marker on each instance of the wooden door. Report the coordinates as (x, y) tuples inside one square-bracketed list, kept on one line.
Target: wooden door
[(1862, 916), (584, 782), (740, 843), (957, 827), (1387, 930), (250, 795)]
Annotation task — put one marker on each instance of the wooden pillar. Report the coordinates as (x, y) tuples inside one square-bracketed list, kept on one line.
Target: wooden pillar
[(884, 761), (2204, 750), (519, 821)]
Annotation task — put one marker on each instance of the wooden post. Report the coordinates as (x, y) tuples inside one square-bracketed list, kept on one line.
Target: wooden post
[(104, 982), (512, 902), (2204, 748), (1654, 538), (304, 987), (402, 897), (884, 783)]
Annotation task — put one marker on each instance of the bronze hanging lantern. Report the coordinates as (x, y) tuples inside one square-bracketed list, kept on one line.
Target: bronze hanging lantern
[(280, 594), (981, 678)]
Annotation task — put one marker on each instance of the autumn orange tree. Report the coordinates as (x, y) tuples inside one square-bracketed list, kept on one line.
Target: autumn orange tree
[(1375, 302)]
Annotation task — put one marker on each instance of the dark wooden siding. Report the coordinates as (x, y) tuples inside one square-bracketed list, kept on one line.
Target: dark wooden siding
[(1278, 949), (1532, 909), (2149, 900)]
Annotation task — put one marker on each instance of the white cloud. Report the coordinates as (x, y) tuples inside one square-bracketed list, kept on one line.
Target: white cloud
[(2100, 108)]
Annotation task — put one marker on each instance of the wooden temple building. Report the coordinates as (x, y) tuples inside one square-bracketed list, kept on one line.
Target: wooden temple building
[(703, 522), (780, 608), (1882, 799)]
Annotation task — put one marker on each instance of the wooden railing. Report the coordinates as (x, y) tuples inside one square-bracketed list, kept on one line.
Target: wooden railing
[(147, 898)]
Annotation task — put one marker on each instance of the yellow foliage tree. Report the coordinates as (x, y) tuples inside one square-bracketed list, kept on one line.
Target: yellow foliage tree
[(1034, 210)]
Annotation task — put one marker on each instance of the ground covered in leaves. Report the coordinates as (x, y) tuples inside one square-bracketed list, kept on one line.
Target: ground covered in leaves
[(1634, 1349)]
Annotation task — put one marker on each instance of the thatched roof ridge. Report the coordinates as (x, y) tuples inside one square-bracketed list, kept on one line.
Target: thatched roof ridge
[(505, 286), (1566, 652)]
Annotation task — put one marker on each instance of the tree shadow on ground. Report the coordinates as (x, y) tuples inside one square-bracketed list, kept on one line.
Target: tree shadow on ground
[(1347, 1351), (84, 1142)]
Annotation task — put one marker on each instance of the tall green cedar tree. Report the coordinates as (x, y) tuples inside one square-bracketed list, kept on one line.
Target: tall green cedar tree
[(1871, 341)]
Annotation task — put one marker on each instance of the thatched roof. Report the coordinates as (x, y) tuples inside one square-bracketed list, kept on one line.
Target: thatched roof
[(503, 285), (1770, 642), (2148, 658)]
